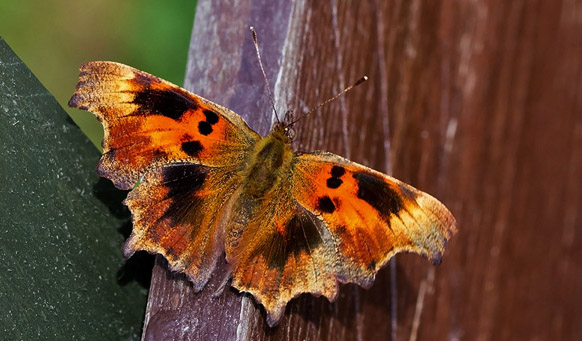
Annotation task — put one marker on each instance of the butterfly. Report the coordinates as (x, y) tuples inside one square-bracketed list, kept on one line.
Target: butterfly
[(203, 185)]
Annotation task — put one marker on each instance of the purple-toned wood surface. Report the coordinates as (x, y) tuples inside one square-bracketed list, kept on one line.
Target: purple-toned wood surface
[(477, 102)]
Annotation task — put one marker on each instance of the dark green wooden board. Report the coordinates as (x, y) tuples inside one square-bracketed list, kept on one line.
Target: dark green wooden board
[(62, 275)]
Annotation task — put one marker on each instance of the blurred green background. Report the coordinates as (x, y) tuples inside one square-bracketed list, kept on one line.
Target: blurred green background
[(54, 37)]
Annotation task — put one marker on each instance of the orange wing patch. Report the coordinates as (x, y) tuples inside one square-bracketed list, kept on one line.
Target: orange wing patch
[(148, 120)]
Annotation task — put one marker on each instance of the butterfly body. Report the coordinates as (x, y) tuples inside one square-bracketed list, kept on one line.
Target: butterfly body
[(270, 160), (207, 185)]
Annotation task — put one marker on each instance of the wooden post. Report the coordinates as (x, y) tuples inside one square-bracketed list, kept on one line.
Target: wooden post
[(478, 103)]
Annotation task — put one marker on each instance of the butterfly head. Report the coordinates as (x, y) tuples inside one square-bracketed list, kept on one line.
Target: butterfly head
[(283, 132)]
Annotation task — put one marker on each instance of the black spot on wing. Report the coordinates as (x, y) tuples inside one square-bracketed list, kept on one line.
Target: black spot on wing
[(183, 179), (378, 194), (211, 117), (204, 128), (334, 182), (325, 205), (300, 236), (192, 148), (337, 171), (167, 103)]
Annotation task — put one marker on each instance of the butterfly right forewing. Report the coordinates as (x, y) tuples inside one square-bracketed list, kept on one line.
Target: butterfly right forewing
[(370, 216)]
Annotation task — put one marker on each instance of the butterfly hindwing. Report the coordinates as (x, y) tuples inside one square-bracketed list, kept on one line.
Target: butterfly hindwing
[(177, 212), (278, 250), (149, 120)]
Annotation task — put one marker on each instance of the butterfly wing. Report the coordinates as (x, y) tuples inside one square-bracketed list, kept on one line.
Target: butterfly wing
[(370, 216), (278, 250), (178, 211), (185, 151), (149, 120), (330, 220)]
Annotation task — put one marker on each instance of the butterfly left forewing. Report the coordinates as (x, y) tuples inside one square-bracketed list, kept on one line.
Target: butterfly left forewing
[(370, 216)]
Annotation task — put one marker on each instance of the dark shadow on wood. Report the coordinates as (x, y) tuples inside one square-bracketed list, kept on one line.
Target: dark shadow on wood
[(139, 267)]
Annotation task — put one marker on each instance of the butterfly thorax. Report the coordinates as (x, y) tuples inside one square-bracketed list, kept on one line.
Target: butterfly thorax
[(269, 161)]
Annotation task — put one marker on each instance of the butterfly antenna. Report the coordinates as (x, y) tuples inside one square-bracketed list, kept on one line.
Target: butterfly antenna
[(256, 42), (358, 82)]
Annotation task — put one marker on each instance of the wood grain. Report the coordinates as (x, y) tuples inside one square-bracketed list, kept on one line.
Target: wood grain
[(478, 103)]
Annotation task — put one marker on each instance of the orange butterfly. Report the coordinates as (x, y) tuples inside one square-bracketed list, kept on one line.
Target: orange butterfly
[(288, 222)]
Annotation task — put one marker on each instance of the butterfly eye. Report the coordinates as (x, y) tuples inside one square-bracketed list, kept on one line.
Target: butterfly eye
[(290, 133)]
